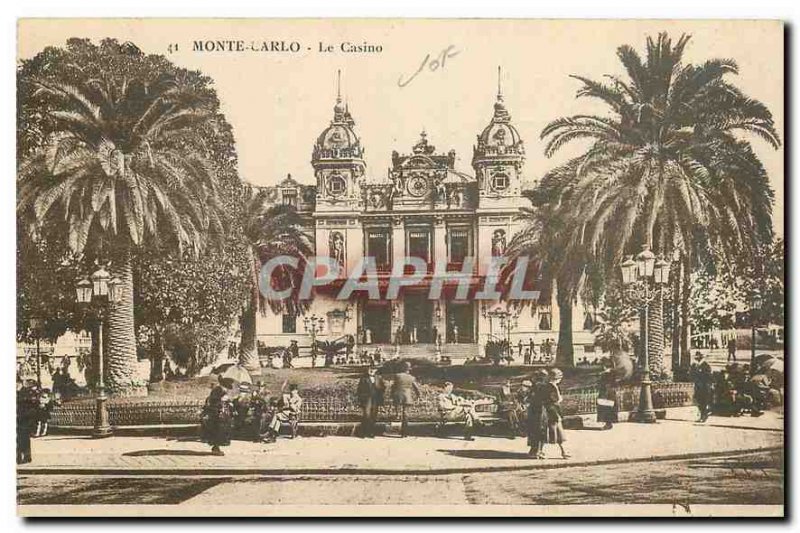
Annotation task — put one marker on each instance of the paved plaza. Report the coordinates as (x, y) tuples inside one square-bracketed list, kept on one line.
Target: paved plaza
[(672, 438)]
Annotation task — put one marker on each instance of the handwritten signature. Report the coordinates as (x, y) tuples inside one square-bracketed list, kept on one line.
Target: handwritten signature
[(433, 64)]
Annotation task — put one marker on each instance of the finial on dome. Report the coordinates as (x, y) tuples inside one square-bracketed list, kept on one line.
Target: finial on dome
[(499, 83), (339, 108)]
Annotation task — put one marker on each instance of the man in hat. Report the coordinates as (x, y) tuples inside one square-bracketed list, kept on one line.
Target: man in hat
[(288, 412), (405, 390), (241, 409), (370, 391), (453, 408), (703, 385)]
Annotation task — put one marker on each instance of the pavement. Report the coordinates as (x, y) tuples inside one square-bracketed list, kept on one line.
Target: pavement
[(677, 437)]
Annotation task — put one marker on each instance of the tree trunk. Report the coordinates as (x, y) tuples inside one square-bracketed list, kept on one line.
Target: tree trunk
[(248, 352), (655, 336), (157, 359), (564, 350), (675, 310), (121, 353), (686, 291)]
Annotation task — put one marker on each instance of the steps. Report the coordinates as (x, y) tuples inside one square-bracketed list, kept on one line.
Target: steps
[(456, 352)]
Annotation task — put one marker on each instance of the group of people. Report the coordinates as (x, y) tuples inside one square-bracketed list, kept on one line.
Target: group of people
[(731, 391), (251, 413), (34, 406), (531, 356)]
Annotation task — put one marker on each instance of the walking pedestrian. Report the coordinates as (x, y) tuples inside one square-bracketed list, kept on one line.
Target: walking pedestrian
[(703, 385), (552, 405), (405, 390), (370, 391), (217, 420), (537, 417)]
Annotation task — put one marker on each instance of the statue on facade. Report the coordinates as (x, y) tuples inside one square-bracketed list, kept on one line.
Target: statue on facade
[(498, 243), (337, 248)]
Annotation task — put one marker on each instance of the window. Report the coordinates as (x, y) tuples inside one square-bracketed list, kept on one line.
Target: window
[(500, 182), (459, 244), (419, 244), (336, 185), (588, 322), (544, 321), (289, 197), (378, 247), (289, 323)]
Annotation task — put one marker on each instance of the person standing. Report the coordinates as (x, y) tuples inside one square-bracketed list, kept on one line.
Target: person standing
[(405, 390), (216, 420), (552, 405), (703, 385), (27, 406), (537, 416), (732, 350), (370, 391), (606, 398)]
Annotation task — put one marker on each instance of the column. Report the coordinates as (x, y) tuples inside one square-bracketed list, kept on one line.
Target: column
[(398, 240), (440, 251)]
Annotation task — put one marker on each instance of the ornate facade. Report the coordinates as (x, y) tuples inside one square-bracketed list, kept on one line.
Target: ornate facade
[(425, 208)]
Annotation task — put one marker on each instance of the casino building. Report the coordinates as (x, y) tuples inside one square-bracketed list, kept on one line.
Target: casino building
[(428, 209)]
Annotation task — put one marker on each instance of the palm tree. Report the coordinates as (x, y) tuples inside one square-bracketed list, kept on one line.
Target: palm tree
[(122, 169), (272, 231), (666, 166)]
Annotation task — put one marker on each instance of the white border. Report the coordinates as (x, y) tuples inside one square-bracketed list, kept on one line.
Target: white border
[(788, 11)]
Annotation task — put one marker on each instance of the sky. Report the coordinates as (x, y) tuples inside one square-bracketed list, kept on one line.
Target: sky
[(279, 102)]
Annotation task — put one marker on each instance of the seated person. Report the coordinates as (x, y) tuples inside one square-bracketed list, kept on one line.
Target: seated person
[(510, 408), (453, 408), (287, 412)]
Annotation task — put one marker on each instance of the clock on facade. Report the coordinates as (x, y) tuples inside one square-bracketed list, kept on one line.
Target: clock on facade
[(417, 186)]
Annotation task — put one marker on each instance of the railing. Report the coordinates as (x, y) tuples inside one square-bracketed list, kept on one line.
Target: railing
[(340, 405)]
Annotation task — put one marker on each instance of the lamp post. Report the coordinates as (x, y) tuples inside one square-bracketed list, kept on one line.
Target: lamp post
[(636, 278), (100, 289), (507, 320), (312, 325), (755, 306), (37, 327)]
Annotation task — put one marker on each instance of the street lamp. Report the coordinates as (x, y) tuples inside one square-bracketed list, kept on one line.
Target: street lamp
[(37, 327), (312, 325), (636, 278), (104, 291), (755, 306)]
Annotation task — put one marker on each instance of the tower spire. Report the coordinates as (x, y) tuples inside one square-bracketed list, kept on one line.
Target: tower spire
[(499, 83), (339, 85)]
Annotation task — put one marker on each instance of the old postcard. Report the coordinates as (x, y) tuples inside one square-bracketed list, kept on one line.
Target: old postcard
[(392, 267)]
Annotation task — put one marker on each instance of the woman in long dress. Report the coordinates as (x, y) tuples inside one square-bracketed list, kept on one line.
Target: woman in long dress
[(552, 406), (537, 416), (217, 420)]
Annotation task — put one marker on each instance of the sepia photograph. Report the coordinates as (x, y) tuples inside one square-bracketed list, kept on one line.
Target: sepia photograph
[(400, 267)]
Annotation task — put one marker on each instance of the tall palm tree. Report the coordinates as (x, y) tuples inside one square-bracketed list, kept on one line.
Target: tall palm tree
[(123, 169), (667, 166), (271, 231)]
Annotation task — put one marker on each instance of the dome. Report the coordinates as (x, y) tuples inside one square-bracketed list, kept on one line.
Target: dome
[(339, 139), (500, 136)]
